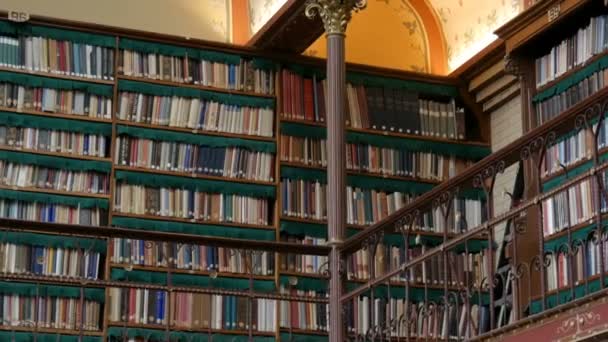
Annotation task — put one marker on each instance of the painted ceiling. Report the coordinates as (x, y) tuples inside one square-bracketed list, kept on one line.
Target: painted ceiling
[(391, 33)]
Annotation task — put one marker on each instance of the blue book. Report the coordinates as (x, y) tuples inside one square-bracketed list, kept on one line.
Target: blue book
[(211, 160), (196, 257), (76, 58), (210, 265), (216, 257), (52, 213), (187, 160), (201, 117), (159, 307), (227, 314), (221, 155), (86, 144), (205, 159), (231, 75), (142, 251), (233, 320)]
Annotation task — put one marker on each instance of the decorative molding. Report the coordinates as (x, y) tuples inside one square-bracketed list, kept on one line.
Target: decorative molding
[(335, 13)]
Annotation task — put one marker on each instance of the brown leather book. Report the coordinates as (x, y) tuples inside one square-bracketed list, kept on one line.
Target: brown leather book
[(206, 311), (241, 313)]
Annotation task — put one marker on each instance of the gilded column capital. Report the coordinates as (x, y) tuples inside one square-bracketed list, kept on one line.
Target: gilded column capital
[(335, 13)]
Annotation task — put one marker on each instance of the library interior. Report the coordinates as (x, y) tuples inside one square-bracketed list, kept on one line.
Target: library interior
[(303, 170)]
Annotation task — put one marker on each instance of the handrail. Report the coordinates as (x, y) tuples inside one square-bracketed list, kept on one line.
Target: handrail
[(508, 154), (557, 244)]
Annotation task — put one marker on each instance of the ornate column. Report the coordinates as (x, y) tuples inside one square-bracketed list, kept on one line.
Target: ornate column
[(335, 15)]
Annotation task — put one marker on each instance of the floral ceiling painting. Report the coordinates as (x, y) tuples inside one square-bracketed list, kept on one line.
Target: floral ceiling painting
[(388, 33), (260, 11), (468, 25)]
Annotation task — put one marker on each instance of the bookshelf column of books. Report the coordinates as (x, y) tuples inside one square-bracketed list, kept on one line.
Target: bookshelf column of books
[(567, 72), (403, 138), (162, 136), (101, 130)]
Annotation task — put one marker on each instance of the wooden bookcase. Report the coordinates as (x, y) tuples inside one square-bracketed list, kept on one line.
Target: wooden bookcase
[(271, 231), (528, 37)]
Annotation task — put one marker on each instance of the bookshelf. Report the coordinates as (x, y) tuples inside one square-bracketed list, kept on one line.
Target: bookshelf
[(564, 74), (138, 108)]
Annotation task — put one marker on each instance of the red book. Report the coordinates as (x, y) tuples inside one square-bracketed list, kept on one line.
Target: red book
[(295, 318), (285, 92), (362, 102), (309, 105), (321, 100), (297, 110), (131, 310)]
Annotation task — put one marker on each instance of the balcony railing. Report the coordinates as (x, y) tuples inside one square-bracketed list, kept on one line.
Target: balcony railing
[(544, 254)]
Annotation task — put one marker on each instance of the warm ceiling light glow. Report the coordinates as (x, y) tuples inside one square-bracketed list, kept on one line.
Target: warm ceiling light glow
[(471, 51)]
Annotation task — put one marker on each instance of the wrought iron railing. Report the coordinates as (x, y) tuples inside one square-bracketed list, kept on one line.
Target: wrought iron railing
[(514, 270)]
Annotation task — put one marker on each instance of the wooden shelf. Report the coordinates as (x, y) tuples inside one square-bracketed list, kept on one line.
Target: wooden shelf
[(190, 272), (193, 86), (56, 192), (352, 226), (194, 131), (54, 115), (304, 331), (192, 175), (571, 167), (396, 283), (574, 228), (54, 154), (567, 288), (193, 221), (50, 330), (392, 134), (57, 75), (211, 331), (363, 173), (570, 72)]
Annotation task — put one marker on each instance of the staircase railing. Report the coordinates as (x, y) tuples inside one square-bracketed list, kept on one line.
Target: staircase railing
[(451, 289)]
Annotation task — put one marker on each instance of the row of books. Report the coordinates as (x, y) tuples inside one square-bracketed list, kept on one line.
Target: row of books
[(551, 107), (232, 162), (33, 176), (189, 257), (386, 109), (61, 101), (50, 312), (461, 268), (303, 315), (465, 214), (48, 140), (575, 50), (183, 310), (57, 56), (441, 322), (188, 204), (373, 159), (50, 212), (308, 199), (302, 263), (304, 150), (567, 152), (189, 70), (49, 261), (195, 114), (570, 207), (582, 264), (394, 162)]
